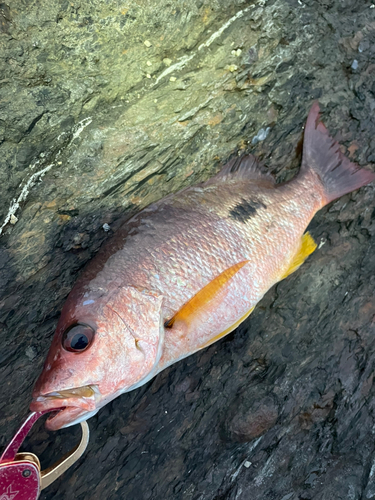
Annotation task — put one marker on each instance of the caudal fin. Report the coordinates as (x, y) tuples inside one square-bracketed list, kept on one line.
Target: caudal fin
[(322, 155)]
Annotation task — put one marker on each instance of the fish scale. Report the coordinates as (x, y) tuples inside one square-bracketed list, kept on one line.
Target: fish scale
[(184, 272)]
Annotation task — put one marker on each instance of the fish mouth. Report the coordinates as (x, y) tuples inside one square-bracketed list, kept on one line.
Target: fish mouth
[(78, 403)]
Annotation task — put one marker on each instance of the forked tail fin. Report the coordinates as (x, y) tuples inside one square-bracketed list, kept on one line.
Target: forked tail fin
[(322, 155)]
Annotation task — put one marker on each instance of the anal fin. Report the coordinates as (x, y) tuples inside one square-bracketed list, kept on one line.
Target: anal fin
[(307, 247)]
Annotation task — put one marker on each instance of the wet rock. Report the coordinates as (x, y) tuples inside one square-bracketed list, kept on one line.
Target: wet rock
[(252, 415)]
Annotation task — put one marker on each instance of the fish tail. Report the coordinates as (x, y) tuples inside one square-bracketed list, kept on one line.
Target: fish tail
[(321, 155)]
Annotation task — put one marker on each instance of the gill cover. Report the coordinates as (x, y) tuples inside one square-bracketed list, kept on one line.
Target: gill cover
[(126, 347), (140, 314)]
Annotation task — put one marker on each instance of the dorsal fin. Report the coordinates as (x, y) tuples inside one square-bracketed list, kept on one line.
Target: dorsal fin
[(245, 168)]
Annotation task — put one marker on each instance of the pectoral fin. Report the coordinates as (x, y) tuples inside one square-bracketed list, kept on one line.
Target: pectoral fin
[(307, 247), (200, 300)]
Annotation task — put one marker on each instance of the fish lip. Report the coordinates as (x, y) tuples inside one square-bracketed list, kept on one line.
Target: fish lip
[(86, 398), (65, 417), (72, 405)]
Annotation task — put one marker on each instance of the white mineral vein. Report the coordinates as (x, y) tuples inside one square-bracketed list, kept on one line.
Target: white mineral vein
[(181, 63), (15, 204)]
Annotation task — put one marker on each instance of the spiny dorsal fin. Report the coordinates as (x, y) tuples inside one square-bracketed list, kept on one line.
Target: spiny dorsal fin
[(307, 247), (245, 168), (207, 293)]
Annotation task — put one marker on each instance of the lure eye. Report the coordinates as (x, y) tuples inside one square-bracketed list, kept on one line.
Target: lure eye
[(77, 338)]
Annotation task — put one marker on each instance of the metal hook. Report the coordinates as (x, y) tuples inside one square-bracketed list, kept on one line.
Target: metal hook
[(50, 474)]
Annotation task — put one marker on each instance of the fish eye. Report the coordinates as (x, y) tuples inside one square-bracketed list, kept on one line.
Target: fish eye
[(77, 338)]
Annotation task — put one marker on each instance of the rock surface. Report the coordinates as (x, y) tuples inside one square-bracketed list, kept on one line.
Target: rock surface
[(108, 106)]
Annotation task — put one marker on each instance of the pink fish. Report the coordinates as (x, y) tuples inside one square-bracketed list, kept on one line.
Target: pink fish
[(183, 273)]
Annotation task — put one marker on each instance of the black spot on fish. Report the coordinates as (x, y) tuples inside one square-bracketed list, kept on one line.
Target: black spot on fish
[(244, 210)]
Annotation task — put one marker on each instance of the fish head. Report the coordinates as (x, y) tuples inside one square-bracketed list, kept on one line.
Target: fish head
[(102, 347)]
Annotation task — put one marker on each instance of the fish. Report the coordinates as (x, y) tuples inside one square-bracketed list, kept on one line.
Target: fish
[(184, 272)]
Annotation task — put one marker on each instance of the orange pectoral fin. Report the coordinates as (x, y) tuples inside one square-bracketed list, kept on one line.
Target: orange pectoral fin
[(191, 308)]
